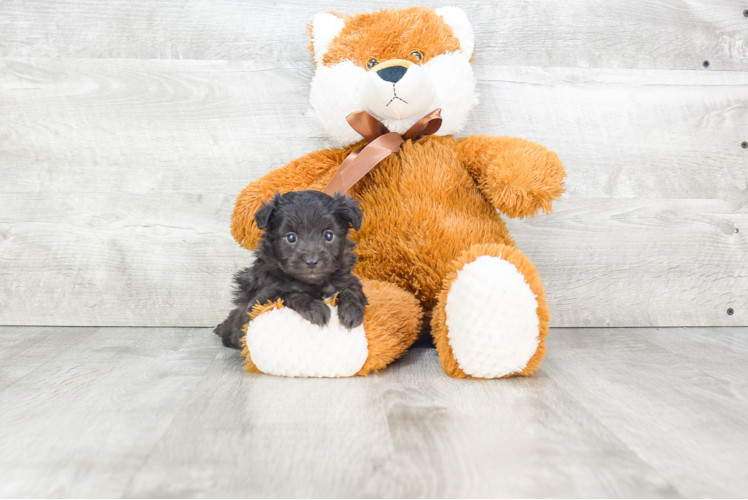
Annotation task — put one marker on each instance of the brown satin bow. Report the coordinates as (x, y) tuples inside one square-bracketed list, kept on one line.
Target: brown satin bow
[(381, 144)]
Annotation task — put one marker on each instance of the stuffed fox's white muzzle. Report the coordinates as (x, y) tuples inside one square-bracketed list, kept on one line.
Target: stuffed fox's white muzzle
[(395, 90)]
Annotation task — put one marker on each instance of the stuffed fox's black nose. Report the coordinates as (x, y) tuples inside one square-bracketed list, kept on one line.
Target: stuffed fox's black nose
[(392, 74)]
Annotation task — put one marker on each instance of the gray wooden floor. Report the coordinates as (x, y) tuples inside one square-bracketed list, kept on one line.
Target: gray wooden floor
[(138, 412)]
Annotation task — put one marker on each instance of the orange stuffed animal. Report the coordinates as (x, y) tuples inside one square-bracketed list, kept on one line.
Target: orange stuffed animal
[(433, 251)]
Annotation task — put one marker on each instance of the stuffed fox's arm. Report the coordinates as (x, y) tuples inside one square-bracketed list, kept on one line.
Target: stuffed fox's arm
[(519, 177), (311, 171)]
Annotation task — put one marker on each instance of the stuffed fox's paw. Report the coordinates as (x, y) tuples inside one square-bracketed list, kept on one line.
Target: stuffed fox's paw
[(491, 318), (519, 177), (279, 341)]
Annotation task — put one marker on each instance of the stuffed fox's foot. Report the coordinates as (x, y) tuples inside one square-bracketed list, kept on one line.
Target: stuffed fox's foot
[(491, 318), (280, 342)]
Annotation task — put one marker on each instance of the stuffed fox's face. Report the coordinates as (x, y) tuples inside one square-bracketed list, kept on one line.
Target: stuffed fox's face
[(398, 65)]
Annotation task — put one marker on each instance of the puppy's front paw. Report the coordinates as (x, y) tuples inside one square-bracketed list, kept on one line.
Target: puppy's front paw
[(233, 341), (351, 314), (317, 312)]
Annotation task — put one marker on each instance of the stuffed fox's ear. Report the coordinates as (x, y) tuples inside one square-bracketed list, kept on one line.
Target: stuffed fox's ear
[(456, 18), (323, 29)]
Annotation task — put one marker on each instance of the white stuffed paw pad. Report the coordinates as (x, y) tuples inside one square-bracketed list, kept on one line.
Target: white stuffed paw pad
[(492, 321), (281, 342)]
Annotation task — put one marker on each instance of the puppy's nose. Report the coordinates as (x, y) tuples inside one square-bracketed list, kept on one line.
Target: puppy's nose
[(311, 263), (392, 73)]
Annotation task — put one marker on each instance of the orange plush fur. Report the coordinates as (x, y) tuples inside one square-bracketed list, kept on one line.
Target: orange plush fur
[(391, 34), (428, 209)]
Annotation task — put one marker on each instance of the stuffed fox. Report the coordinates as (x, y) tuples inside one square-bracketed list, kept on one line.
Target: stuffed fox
[(434, 253)]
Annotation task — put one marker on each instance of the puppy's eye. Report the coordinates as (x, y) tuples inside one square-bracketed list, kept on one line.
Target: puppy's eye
[(329, 236), (418, 55), (291, 237), (371, 63)]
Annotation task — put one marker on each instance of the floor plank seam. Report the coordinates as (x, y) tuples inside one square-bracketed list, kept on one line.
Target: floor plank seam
[(177, 413), (619, 439)]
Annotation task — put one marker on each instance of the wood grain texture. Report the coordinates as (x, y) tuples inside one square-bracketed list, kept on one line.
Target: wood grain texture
[(168, 412), (711, 353), (604, 366), (140, 260), (637, 262), (94, 410), (627, 134), (671, 34), (24, 350), (149, 126), (120, 176), (410, 432), (155, 126), (117, 259)]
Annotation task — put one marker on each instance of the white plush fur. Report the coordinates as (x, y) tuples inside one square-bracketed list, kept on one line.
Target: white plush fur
[(445, 81), (456, 18), (492, 321), (325, 27), (333, 95), (413, 94), (283, 343)]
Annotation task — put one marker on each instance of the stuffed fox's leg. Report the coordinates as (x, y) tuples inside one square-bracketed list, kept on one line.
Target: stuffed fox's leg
[(491, 318), (280, 342)]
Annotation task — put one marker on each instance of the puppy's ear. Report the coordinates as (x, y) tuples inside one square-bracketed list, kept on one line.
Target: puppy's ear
[(346, 208), (265, 213)]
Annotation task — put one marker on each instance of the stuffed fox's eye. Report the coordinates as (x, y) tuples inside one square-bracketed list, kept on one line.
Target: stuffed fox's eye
[(291, 238), (418, 55), (371, 63)]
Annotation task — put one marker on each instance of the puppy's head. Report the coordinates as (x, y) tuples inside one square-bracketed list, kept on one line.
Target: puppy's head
[(305, 232)]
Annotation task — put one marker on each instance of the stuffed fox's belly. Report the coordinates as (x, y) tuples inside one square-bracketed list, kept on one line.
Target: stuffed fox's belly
[(421, 210)]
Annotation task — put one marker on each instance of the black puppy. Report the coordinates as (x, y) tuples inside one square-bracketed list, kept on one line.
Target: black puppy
[(304, 256)]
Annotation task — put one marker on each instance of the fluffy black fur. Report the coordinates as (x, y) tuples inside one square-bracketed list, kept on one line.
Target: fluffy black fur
[(304, 256)]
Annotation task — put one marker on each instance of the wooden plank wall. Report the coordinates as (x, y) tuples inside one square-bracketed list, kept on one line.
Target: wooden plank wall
[(127, 129)]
